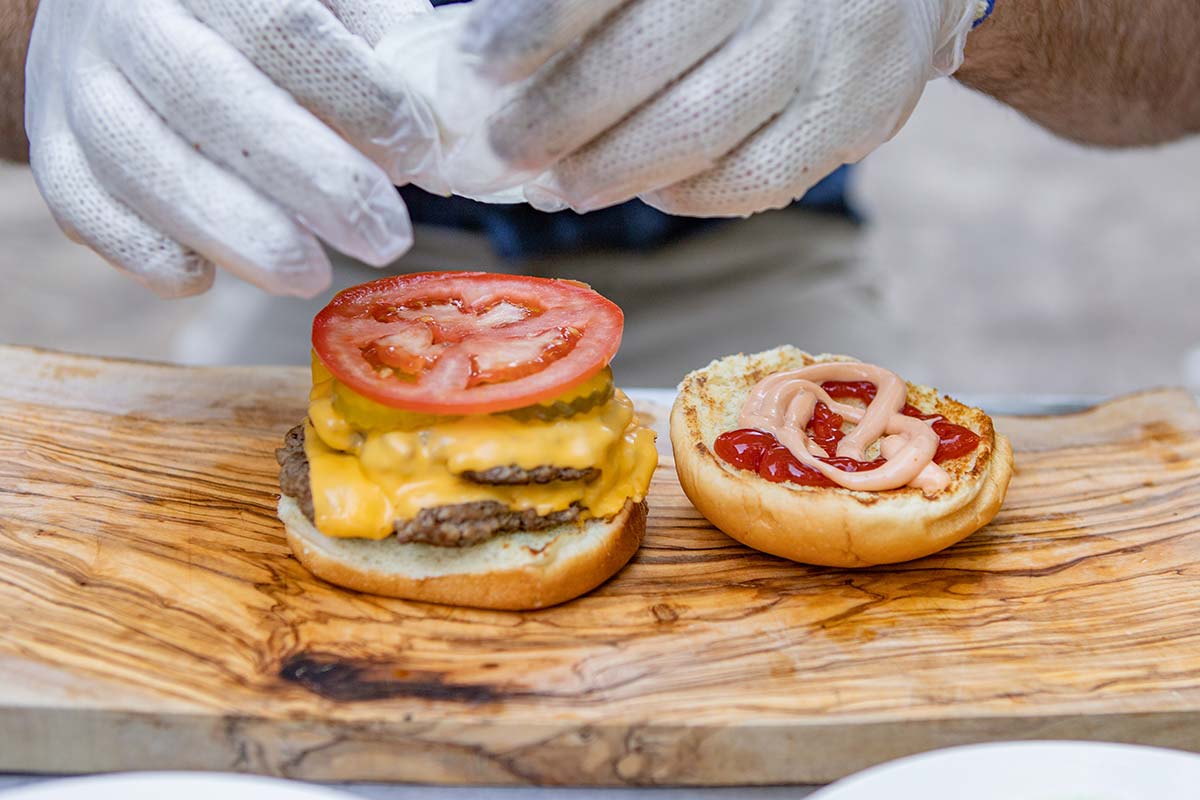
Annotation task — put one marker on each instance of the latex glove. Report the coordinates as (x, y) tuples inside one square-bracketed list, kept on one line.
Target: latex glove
[(173, 136), (701, 107)]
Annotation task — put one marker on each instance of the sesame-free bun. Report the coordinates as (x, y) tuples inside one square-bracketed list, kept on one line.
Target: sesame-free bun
[(510, 571), (828, 526)]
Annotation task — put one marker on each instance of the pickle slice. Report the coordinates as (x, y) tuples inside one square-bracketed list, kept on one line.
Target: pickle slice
[(366, 415), (592, 393)]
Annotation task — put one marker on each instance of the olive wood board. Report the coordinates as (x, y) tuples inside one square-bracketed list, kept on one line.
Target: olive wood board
[(151, 616)]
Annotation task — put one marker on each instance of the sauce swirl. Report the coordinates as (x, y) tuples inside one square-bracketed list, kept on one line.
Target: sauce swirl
[(791, 429)]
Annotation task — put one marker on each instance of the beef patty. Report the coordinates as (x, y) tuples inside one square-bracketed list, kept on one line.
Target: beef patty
[(459, 525), (512, 475), (293, 470)]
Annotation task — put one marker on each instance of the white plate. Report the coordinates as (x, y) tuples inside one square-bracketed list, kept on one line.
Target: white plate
[(173, 786), (1029, 771)]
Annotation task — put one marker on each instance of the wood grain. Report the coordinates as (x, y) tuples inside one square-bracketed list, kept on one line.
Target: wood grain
[(152, 617)]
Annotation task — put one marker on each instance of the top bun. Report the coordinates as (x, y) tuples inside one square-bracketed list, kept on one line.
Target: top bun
[(828, 526)]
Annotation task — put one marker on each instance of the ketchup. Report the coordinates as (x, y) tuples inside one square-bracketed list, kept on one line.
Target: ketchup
[(825, 428), (779, 465), (761, 452), (859, 390), (744, 448), (955, 441), (864, 391)]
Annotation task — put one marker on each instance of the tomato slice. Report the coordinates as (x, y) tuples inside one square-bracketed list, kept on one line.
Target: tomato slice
[(466, 342)]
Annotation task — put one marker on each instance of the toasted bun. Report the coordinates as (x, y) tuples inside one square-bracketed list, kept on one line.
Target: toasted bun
[(832, 527), (513, 571)]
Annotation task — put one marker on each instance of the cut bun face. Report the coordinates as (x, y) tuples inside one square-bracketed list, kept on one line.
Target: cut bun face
[(828, 526), (514, 571)]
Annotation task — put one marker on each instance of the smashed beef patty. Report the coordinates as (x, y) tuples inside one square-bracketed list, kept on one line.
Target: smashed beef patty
[(465, 524), (513, 475), (460, 525), (293, 470)]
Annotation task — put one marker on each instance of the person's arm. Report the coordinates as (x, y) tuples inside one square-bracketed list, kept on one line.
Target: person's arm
[(16, 21), (1105, 72)]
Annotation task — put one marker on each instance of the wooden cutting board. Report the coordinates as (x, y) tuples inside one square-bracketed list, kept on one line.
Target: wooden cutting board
[(151, 616)]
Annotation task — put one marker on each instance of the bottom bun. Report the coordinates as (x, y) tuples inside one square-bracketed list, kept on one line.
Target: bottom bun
[(514, 571), (829, 527)]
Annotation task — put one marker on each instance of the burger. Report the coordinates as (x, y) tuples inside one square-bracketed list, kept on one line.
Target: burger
[(465, 444)]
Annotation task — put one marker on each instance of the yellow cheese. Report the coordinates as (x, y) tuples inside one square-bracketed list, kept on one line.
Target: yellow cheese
[(365, 477)]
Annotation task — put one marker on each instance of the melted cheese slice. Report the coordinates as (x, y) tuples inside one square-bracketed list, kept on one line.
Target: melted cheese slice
[(365, 477)]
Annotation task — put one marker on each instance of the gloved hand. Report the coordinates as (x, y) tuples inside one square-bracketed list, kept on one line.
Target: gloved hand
[(701, 107), (172, 136)]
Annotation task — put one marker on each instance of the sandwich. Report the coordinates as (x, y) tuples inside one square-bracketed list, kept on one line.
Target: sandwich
[(826, 460), (464, 443)]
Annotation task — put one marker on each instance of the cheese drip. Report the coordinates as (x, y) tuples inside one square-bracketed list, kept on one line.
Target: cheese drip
[(783, 404), (366, 476)]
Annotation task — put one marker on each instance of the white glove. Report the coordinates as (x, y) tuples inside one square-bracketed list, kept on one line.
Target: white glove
[(701, 107), (172, 136)]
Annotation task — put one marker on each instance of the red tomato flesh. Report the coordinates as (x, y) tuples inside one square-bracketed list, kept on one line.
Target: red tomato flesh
[(466, 342)]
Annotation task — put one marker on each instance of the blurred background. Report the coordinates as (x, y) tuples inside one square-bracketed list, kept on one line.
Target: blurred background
[(1012, 263)]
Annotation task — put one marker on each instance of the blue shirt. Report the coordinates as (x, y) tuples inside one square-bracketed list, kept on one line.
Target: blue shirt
[(518, 231)]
